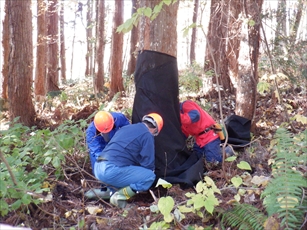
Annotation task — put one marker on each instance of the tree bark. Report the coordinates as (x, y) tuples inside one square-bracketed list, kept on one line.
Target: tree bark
[(194, 30), (99, 79), (53, 48), (215, 57), (117, 51), (160, 34), (62, 46), (133, 41), (89, 38), (20, 62), (6, 51), (247, 77), (41, 51)]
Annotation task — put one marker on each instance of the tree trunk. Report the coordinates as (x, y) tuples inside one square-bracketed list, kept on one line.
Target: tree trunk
[(160, 34), (194, 30), (215, 57), (20, 62), (99, 79), (41, 51), (117, 51), (62, 40), (247, 77), (133, 41), (89, 38), (53, 48), (281, 27), (6, 51), (297, 19)]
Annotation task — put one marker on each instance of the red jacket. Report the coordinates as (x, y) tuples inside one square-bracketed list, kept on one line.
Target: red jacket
[(194, 120)]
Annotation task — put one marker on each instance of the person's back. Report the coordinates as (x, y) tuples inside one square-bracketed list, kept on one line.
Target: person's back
[(131, 145)]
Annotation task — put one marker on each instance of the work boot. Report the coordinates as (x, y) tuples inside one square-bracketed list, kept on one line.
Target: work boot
[(229, 151), (96, 193), (120, 197)]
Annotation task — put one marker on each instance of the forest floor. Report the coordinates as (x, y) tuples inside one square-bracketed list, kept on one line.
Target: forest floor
[(67, 208)]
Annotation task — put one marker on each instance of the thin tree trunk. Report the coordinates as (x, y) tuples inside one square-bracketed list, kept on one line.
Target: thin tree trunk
[(99, 79), (117, 51), (21, 62), (194, 30), (133, 42), (62, 41), (53, 48), (89, 37), (41, 51), (6, 51)]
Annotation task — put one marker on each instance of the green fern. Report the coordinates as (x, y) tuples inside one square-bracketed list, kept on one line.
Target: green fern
[(244, 216), (284, 194)]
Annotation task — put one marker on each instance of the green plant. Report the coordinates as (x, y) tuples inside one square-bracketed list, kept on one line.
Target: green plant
[(190, 80), (243, 216), (284, 194), (27, 154)]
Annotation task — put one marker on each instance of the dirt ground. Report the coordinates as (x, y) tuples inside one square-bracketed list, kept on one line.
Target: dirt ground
[(68, 207)]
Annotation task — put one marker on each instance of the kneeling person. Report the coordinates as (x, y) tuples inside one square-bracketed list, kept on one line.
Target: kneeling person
[(128, 161)]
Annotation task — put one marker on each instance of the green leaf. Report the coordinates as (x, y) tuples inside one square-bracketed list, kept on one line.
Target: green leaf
[(230, 159), (56, 162), (199, 202), (167, 2), (251, 22), (4, 207), (26, 199), (163, 183), (154, 208), (16, 204), (47, 160), (236, 181), (147, 12), (244, 165), (166, 204)]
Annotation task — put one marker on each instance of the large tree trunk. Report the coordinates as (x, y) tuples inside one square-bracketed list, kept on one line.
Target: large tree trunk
[(53, 48), (62, 40), (215, 58), (6, 51), (117, 51), (160, 34), (21, 62), (99, 79), (194, 30), (133, 41), (41, 51), (247, 77)]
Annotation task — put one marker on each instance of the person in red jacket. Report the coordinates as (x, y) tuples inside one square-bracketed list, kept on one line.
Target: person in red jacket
[(198, 123)]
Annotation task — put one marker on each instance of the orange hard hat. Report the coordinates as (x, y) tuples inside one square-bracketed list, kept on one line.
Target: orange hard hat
[(156, 120), (104, 121)]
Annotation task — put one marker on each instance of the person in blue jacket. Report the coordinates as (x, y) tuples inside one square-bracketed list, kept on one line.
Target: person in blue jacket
[(98, 134), (127, 163)]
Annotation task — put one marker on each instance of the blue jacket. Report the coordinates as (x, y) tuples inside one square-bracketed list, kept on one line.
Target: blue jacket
[(131, 145), (96, 142)]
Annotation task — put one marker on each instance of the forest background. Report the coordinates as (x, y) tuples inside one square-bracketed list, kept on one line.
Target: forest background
[(64, 60)]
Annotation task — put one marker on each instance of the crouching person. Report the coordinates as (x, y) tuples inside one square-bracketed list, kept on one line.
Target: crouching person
[(128, 161)]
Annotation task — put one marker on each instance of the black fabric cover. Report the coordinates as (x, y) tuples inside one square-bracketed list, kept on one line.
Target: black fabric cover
[(238, 129), (156, 82)]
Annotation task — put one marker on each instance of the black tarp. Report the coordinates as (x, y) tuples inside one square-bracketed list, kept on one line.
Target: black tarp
[(156, 82), (238, 129)]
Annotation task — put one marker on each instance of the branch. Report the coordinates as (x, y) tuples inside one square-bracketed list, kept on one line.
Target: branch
[(8, 168)]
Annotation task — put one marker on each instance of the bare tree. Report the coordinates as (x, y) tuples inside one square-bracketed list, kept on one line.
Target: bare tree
[(133, 41), (41, 51), (62, 41), (20, 61), (194, 30), (100, 34), (117, 51), (53, 47)]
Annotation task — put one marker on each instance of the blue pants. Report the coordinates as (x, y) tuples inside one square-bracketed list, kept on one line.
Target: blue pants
[(211, 151), (137, 177)]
